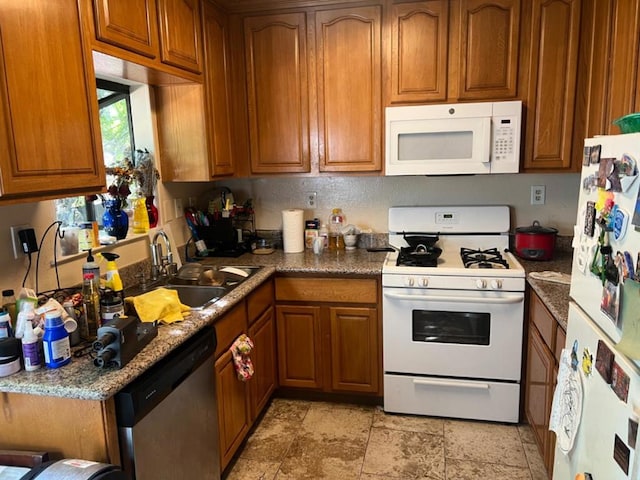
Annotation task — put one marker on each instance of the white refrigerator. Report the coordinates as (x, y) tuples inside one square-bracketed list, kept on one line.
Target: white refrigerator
[(597, 399)]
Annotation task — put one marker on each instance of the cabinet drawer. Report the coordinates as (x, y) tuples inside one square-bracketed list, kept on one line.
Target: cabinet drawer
[(543, 320), (259, 301), (334, 290), (230, 326)]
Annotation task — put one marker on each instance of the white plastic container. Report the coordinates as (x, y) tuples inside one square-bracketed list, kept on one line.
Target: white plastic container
[(30, 350)]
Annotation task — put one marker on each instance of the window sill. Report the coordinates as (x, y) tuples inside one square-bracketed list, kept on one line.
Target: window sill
[(131, 238)]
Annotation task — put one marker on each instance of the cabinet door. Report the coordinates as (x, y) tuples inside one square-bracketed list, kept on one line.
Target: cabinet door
[(348, 77), (354, 349), (419, 44), (278, 92), (551, 51), (485, 36), (233, 413), (218, 90), (608, 72), (539, 388), (263, 356), (180, 34), (48, 104), (299, 346), (131, 25)]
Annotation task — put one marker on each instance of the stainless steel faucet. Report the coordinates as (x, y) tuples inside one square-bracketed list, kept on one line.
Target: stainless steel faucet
[(161, 265)]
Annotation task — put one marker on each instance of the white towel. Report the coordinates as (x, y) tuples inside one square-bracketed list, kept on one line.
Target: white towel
[(555, 277)]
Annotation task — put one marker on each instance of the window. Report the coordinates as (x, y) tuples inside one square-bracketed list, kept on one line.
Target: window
[(117, 143)]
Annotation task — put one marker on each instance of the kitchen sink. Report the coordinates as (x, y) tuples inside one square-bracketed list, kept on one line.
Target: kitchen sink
[(199, 286), (198, 296)]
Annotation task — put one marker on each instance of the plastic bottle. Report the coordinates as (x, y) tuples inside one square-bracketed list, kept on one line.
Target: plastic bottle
[(91, 305), (91, 266), (113, 281), (57, 349), (26, 314), (324, 233), (6, 330), (337, 220), (9, 304), (30, 350), (140, 216)]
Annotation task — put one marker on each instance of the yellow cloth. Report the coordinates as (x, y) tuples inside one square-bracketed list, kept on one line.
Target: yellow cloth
[(161, 304)]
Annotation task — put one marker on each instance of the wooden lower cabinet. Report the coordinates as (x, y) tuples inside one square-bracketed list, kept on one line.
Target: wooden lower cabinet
[(53, 424), (263, 355), (544, 345), (329, 335), (233, 411), (240, 403), (299, 346), (354, 348)]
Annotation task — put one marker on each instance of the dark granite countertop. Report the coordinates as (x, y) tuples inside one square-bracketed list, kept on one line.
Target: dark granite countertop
[(81, 380), (554, 295)]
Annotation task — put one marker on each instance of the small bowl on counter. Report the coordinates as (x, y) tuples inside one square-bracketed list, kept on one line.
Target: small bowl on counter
[(350, 241)]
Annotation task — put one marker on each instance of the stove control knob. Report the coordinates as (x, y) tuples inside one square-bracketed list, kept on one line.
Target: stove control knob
[(480, 283), (410, 282), (424, 281), (496, 284)]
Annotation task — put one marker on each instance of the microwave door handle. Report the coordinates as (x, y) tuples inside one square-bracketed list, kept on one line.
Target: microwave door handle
[(444, 298), (487, 139)]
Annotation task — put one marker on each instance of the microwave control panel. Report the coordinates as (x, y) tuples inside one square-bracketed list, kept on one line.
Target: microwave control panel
[(504, 142)]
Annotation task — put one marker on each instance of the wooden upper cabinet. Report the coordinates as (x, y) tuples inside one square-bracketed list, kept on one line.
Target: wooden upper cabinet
[(180, 34), (218, 90), (485, 37), (131, 25), (48, 107), (278, 92), (419, 45), (348, 76), (551, 49), (608, 71), (158, 42)]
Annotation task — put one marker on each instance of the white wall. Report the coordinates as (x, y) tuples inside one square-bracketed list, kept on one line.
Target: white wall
[(366, 200)]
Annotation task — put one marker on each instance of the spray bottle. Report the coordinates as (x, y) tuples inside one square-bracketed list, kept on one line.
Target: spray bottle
[(113, 281)]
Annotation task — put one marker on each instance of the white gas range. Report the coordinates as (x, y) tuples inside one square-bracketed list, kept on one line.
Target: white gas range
[(452, 323)]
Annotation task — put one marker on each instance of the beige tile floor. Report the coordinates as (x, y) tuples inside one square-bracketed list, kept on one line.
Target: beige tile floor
[(299, 440)]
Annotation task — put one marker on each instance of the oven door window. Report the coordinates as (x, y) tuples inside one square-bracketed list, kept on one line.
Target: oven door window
[(463, 328)]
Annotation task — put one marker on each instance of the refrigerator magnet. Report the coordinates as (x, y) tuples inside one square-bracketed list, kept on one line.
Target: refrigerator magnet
[(590, 219), (619, 382), (594, 154), (587, 362), (586, 156), (604, 361), (620, 222), (621, 454), (633, 432)]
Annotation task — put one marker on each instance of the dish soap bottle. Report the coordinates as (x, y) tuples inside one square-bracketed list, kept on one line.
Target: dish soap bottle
[(337, 220)]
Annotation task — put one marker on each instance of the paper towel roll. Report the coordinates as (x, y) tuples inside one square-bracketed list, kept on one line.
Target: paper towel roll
[(293, 230)]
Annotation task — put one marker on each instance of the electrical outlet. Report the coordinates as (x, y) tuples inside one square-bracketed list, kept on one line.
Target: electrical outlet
[(15, 240), (311, 200), (537, 194), (178, 208)]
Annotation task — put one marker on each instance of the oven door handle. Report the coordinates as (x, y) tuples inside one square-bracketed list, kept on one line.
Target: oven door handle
[(452, 383), (443, 298)]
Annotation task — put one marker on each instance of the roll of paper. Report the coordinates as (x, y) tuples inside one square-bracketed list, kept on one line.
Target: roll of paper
[(293, 230)]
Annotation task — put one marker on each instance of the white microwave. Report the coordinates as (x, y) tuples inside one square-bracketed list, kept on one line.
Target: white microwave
[(453, 139)]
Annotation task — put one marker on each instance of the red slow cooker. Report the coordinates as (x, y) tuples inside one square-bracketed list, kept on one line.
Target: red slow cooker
[(535, 242)]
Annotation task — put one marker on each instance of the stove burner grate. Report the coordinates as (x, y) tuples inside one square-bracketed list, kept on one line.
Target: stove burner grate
[(421, 256), (489, 258)]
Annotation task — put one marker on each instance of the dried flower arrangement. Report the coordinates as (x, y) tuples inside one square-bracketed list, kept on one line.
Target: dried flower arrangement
[(142, 172)]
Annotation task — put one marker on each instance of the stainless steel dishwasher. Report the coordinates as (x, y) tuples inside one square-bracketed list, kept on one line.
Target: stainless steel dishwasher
[(167, 418)]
